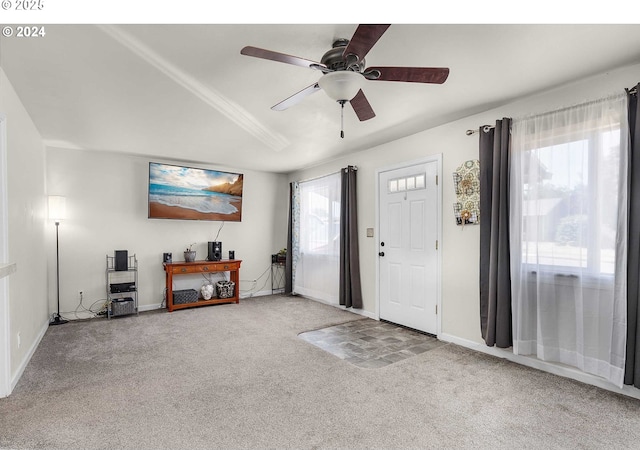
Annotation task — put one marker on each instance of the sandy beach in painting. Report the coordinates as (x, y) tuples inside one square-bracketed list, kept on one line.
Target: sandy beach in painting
[(160, 211)]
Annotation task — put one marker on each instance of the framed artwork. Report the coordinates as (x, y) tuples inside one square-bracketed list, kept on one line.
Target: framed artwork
[(188, 193)]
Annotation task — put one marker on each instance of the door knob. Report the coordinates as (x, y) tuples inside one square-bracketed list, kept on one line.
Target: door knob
[(381, 254)]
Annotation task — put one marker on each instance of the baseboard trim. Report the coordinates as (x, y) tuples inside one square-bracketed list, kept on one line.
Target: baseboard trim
[(143, 308), (360, 312), (25, 361), (545, 366), (256, 294)]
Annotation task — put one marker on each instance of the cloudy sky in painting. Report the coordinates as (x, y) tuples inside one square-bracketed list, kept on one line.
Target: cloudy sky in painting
[(188, 177)]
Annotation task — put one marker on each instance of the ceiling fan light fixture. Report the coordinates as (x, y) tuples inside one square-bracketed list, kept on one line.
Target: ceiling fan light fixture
[(341, 85)]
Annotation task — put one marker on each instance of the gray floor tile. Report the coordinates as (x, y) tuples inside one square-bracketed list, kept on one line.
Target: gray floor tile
[(370, 344)]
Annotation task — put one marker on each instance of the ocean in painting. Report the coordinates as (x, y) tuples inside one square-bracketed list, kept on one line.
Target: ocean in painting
[(195, 199)]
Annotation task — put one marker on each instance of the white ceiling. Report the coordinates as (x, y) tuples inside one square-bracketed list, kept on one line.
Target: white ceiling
[(185, 92)]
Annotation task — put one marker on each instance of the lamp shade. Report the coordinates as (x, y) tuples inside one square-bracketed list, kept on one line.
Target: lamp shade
[(57, 207), (341, 85)]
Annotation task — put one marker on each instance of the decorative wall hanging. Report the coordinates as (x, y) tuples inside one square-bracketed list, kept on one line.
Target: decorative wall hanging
[(466, 181), (188, 193)]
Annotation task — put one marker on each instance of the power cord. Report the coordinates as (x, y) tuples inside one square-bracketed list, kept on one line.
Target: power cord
[(91, 310), (219, 230), (255, 282)]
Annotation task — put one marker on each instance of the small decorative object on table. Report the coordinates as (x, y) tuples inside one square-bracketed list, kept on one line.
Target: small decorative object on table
[(225, 289), (207, 291), (190, 255)]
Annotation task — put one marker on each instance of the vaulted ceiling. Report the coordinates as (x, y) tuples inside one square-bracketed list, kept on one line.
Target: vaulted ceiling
[(185, 92)]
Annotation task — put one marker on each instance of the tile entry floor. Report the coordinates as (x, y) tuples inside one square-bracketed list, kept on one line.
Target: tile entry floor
[(371, 344)]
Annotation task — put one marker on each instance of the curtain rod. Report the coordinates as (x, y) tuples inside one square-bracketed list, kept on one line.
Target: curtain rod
[(318, 177), (632, 91), (577, 105), (325, 175), (485, 128)]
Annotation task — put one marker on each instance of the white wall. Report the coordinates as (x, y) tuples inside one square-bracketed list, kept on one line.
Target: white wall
[(107, 211), (28, 310), (460, 246)]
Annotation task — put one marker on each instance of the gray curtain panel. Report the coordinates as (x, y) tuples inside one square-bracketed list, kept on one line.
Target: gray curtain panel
[(288, 267), (495, 277), (632, 362), (350, 293)]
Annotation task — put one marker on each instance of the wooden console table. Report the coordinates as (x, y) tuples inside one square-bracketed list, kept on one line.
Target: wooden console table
[(183, 268)]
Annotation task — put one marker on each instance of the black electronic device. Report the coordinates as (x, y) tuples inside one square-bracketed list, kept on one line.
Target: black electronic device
[(214, 251), (167, 258), (232, 254), (116, 288), (121, 260)]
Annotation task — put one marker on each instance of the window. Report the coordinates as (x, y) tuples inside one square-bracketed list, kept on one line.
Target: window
[(406, 183), (320, 215), (569, 207), (317, 263)]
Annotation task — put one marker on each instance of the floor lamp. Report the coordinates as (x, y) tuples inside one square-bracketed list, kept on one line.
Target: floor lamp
[(57, 210)]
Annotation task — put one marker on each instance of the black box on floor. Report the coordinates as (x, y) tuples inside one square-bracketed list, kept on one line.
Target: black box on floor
[(185, 296)]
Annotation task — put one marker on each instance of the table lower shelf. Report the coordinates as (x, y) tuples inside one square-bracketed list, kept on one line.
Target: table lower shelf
[(203, 302)]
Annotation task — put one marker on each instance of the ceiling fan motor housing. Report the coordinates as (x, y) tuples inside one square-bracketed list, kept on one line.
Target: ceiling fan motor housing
[(335, 59)]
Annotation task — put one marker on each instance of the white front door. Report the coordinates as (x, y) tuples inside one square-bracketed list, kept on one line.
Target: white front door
[(409, 215)]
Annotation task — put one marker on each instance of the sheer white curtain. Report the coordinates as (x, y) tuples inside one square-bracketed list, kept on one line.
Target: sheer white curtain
[(568, 236), (317, 265)]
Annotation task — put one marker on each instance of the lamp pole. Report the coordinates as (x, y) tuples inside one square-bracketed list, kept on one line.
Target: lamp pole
[(57, 320)]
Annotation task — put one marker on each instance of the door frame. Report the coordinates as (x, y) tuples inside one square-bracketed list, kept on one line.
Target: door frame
[(5, 350), (437, 158)]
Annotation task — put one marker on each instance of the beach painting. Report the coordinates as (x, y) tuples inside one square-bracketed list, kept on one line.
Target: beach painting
[(177, 192)]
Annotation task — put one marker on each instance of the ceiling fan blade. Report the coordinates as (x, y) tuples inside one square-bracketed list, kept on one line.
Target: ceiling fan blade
[(437, 75), (281, 57), (362, 107), (296, 98), (364, 39)]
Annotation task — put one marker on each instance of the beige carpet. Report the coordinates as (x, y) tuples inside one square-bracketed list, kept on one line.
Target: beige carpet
[(239, 376)]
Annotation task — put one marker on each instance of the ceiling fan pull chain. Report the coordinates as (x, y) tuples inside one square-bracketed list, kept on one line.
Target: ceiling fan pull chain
[(342, 102)]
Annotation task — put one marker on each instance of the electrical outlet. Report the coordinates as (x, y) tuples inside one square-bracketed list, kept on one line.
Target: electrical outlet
[(18, 339)]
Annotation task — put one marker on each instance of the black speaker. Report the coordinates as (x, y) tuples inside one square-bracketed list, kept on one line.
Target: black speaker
[(166, 257), (215, 251), (121, 258)]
